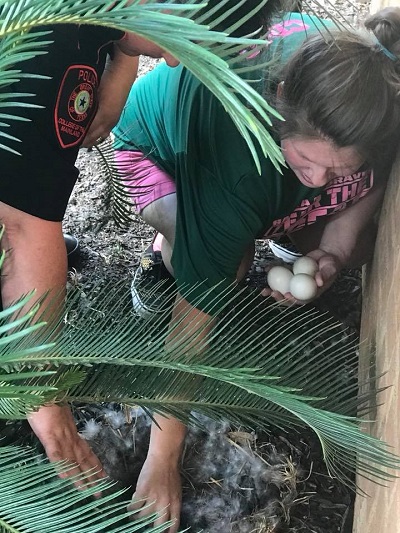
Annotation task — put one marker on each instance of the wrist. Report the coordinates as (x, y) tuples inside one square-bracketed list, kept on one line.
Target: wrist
[(166, 440), (163, 458)]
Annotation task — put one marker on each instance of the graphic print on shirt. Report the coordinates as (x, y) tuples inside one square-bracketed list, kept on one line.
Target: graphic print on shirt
[(76, 104), (286, 28), (278, 31), (339, 194)]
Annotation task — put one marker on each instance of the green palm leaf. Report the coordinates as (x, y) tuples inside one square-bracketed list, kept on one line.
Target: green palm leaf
[(33, 500), (244, 380), (14, 49), (189, 42), (206, 53), (21, 391), (118, 200)]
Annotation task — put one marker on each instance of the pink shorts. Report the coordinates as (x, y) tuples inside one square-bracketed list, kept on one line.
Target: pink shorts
[(145, 181)]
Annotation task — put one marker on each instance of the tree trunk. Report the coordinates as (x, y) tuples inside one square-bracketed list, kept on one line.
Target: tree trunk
[(380, 353)]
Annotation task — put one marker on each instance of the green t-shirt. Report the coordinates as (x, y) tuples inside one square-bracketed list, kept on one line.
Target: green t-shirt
[(223, 203)]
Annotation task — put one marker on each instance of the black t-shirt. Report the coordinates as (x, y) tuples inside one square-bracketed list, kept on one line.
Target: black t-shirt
[(40, 180)]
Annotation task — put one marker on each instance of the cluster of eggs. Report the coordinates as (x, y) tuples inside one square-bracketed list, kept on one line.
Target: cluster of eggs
[(299, 281)]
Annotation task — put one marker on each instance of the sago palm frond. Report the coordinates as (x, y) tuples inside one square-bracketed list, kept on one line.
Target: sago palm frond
[(336, 11), (118, 199), (14, 50), (206, 53), (21, 391), (253, 373), (34, 500), (189, 42)]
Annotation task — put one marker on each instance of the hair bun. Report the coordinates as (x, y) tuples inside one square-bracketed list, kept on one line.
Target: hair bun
[(385, 24)]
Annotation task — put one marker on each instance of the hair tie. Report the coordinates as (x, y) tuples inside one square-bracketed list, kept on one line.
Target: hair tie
[(384, 50)]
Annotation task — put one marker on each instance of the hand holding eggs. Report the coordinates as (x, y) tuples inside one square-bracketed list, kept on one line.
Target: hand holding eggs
[(300, 283)]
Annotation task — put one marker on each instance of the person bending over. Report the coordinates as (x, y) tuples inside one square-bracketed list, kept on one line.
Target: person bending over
[(192, 178)]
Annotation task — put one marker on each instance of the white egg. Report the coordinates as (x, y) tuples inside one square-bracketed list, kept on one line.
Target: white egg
[(305, 265), (303, 287), (279, 279)]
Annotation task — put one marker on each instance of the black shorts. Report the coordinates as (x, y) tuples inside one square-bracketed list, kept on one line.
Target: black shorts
[(41, 179)]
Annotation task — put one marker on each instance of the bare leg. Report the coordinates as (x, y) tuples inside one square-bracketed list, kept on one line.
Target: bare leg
[(161, 214), (36, 259)]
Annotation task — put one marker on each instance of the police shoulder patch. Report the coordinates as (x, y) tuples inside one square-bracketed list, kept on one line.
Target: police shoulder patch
[(76, 104)]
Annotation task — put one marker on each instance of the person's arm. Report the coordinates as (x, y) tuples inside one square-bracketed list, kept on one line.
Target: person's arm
[(159, 483), (344, 240), (116, 82), (350, 234), (159, 480), (36, 259)]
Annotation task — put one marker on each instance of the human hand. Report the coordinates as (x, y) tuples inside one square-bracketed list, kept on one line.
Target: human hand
[(104, 121), (116, 82), (55, 427), (329, 267), (159, 488)]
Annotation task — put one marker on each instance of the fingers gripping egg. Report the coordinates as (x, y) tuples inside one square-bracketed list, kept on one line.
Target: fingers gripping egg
[(305, 265), (279, 279), (303, 287)]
